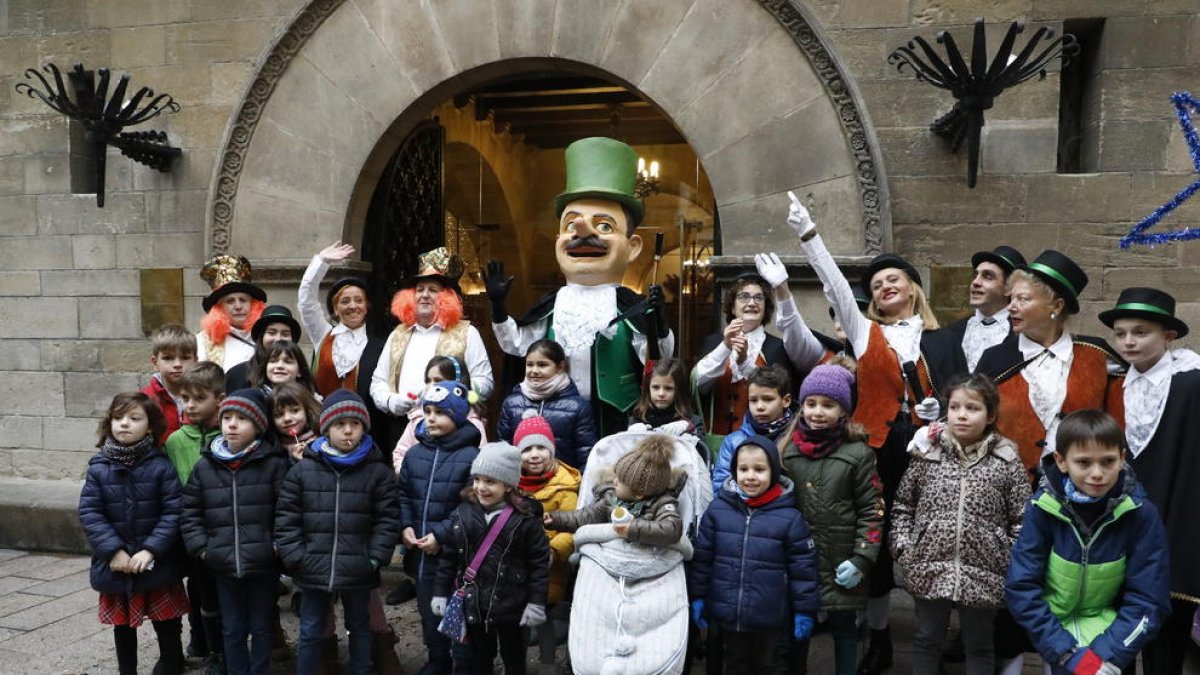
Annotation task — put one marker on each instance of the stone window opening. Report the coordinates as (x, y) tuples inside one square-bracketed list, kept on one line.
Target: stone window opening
[(1079, 100)]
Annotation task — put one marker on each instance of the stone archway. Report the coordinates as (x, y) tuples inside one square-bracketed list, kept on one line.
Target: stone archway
[(751, 84)]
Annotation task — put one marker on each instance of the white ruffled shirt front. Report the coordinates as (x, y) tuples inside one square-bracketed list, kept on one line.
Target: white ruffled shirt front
[(980, 336), (1046, 376), (1146, 395)]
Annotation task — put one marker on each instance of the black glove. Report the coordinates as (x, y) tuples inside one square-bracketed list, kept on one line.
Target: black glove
[(497, 289), (656, 316)]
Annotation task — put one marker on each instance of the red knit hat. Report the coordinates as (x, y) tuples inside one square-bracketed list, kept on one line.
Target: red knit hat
[(534, 430)]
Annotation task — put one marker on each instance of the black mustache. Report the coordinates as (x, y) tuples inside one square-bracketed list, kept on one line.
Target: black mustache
[(593, 240)]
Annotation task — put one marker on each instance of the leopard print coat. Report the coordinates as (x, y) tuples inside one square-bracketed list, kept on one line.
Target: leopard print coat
[(954, 521)]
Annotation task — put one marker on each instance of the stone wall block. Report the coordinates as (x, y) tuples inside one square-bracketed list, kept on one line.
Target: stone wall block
[(1080, 198), (997, 199), (916, 151), (1143, 95), (863, 53), (18, 213), (368, 80), (275, 214), (580, 28), (717, 117), (197, 126), (41, 465), (88, 394), (1094, 247), (140, 46), (469, 29), (949, 244), (20, 283), (1145, 42), (285, 168), (75, 283), (70, 433), (815, 152), (192, 171), (92, 48), (726, 29), (33, 135), (70, 355), (872, 13), (20, 355), (179, 211), (111, 318), (12, 174), (1058, 9), (521, 23), (47, 174), (93, 252), (1136, 146), (20, 432), (203, 42), (25, 393), (33, 253), (186, 82), (1151, 190), (135, 13), (639, 31), (1019, 148), (1182, 286), (228, 81), (125, 356), (159, 250), (411, 34), (760, 224), (940, 13), (904, 103), (39, 318)]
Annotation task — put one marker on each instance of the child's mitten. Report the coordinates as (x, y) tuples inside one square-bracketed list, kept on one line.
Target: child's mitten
[(698, 614), (1087, 662), (534, 615), (848, 575), (802, 625), (438, 605)]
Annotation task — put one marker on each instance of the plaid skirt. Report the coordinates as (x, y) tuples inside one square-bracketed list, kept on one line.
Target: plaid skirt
[(157, 604)]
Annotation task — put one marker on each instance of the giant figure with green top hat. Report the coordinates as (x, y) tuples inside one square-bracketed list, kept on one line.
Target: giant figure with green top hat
[(604, 328)]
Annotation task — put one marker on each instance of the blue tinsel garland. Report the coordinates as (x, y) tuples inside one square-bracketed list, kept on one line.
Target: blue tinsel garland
[(1185, 105)]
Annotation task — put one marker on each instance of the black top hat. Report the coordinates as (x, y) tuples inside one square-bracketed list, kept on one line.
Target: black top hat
[(1145, 303), (882, 262), (1061, 274), (339, 285), (1007, 257), (275, 314)]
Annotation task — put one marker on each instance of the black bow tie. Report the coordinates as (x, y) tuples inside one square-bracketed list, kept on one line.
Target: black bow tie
[(988, 320), (901, 323)]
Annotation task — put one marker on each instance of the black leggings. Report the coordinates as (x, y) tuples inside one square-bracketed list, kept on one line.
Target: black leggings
[(170, 647)]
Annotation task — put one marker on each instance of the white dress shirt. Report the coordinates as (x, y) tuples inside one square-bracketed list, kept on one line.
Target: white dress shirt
[(1046, 376), (979, 335), (422, 346), (1146, 395), (348, 345), (239, 348), (579, 313)]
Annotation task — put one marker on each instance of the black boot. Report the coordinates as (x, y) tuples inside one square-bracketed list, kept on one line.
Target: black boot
[(879, 653)]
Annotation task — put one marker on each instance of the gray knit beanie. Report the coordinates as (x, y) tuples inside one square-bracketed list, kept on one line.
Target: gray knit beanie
[(498, 461)]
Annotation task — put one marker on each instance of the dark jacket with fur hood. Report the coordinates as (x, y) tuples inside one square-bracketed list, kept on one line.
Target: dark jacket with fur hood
[(659, 523), (514, 573)]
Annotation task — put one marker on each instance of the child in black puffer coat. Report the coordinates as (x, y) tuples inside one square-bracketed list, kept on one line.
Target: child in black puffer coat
[(337, 522), (510, 586), (549, 392)]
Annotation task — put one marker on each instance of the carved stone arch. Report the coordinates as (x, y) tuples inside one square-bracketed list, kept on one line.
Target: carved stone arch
[(753, 85)]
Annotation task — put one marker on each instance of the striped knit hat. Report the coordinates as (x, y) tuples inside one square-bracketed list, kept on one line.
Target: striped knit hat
[(251, 404), (341, 404)]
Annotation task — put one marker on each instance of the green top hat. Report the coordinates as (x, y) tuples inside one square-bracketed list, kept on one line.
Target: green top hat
[(601, 168)]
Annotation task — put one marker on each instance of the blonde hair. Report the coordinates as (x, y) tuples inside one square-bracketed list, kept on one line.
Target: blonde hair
[(919, 305), (173, 337), (1042, 287)]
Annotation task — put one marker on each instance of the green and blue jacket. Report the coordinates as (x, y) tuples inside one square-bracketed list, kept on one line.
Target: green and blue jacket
[(1104, 586)]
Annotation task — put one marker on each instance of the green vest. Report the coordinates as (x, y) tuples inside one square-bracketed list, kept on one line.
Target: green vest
[(616, 369)]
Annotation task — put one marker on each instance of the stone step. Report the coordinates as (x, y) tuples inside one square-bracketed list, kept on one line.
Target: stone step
[(41, 515)]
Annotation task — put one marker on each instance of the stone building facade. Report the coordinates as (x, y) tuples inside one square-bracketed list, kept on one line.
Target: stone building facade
[(290, 109)]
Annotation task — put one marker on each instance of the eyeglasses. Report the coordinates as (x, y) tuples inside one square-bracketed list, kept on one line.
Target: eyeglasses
[(750, 297)]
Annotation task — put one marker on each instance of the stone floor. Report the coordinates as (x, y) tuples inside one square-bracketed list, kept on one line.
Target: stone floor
[(48, 625)]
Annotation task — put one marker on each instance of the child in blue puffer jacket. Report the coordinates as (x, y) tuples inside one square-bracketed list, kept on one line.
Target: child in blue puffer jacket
[(755, 565), (548, 391), (1089, 576)]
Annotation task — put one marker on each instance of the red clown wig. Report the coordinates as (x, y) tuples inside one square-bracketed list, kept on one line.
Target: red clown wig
[(216, 323), (449, 307)]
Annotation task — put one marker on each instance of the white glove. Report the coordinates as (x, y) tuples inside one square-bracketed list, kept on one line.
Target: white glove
[(798, 217), (639, 427), (438, 606), (1108, 668), (534, 615), (847, 575), (676, 428), (929, 409), (770, 269), (922, 441)]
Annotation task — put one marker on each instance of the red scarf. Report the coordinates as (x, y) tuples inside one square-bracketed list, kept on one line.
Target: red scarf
[(765, 498), (532, 484)]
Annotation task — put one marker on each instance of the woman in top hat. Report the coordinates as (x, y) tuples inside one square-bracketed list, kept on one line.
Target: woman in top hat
[(430, 311), (1162, 396), (346, 353), (892, 394), (730, 356), (230, 311), (275, 324)]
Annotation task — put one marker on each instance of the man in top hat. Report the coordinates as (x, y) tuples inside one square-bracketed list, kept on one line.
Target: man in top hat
[(955, 349), (1162, 397), (598, 213), (230, 311), (430, 311)]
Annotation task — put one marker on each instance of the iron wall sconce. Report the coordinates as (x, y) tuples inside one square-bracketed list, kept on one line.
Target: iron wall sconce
[(977, 86), (104, 117)]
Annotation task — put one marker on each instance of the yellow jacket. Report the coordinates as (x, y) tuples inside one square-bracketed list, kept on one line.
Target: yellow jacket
[(560, 493)]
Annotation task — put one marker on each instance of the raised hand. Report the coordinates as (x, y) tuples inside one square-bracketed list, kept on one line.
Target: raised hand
[(336, 252), (798, 218), (732, 330), (497, 289), (771, 269)]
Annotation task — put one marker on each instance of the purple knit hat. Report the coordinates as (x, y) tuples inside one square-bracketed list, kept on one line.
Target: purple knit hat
[(832, 381)]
